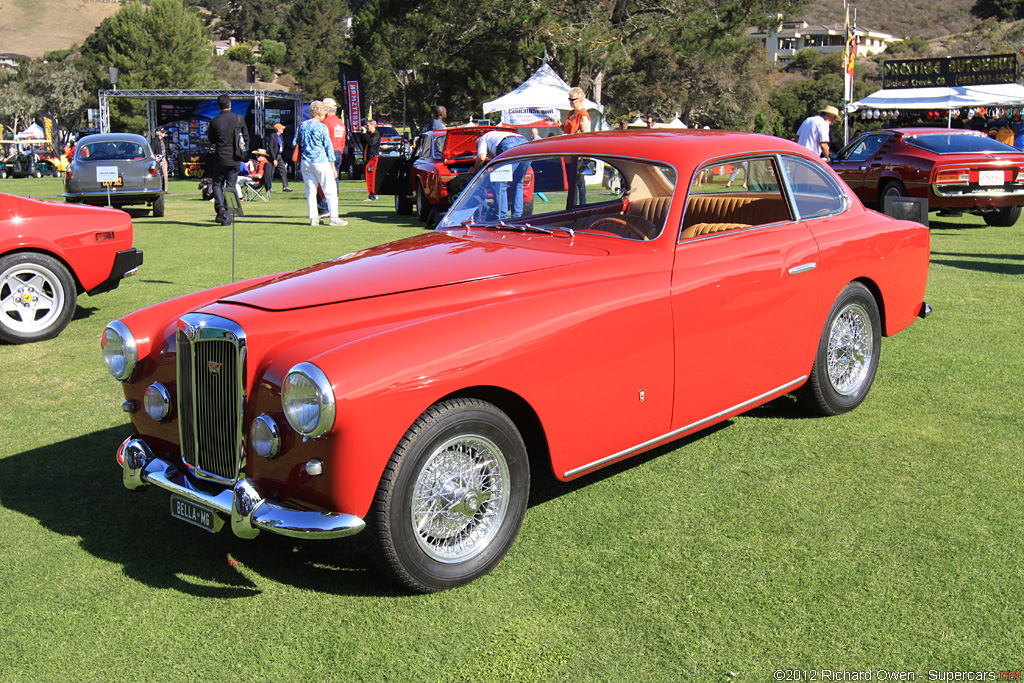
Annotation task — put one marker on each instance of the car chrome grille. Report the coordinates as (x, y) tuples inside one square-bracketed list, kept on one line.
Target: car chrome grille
[(211, 395)]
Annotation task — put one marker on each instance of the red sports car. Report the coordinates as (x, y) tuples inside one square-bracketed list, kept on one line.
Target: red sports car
[(422, 180), (607, 323), (955, 170), (49, 254)]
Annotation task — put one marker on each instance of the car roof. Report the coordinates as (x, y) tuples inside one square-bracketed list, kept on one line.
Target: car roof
[(111, 137), (681, 148)]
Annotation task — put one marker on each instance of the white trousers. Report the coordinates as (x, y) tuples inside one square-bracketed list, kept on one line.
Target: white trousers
[(321, 174)]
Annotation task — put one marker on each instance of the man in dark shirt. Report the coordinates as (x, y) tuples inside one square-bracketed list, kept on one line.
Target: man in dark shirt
[(160, 152), (276, 147), (371, 150), (223, 134)]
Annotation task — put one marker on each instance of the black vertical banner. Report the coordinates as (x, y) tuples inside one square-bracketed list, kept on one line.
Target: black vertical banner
[(353, 102)]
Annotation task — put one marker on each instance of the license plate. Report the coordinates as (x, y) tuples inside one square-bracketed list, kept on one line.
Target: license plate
[(991, 177), (193, 513), (116, 183)]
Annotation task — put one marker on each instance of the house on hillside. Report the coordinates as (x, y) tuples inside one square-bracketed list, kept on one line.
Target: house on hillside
[(790, 37), (9, 60)]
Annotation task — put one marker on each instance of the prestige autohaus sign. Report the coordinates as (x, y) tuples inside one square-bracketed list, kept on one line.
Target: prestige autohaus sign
[(949, 71)]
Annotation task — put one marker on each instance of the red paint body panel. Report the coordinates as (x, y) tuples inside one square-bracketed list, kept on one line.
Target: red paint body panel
[(85, 238), (613, 345)]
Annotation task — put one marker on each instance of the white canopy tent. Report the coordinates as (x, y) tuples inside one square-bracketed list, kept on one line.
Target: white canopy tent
[(1008, 94), (542, 99)]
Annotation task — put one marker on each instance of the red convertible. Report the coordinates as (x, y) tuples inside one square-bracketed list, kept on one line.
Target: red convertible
[(956, 170), (414, 388), (49, 254)]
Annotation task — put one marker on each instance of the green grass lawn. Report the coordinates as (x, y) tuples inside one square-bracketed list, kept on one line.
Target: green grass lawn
[(888, 539)]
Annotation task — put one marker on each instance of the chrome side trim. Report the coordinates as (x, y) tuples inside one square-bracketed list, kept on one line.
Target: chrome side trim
[(248, 510), (803, 268), (678, 432)]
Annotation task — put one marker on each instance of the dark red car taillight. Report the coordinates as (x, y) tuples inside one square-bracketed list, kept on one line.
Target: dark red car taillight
[(961, 176)]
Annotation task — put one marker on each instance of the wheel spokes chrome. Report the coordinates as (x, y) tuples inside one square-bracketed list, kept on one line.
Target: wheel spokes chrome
[(850, 349)]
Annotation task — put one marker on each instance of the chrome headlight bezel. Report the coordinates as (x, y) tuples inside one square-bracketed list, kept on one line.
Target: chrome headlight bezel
[(120, 352), (307, 400)]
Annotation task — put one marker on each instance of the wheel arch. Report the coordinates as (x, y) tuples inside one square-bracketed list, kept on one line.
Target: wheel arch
[(876, 293), (54, 255)]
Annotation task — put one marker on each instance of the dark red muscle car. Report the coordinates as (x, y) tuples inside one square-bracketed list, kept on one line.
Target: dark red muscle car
[(410, 391), (49, 254), (956, 170)]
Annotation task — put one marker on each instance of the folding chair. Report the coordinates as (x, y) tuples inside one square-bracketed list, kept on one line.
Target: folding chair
[(253, 189)]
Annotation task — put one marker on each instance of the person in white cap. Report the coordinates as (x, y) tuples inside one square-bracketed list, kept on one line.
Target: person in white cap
[(813, 133)]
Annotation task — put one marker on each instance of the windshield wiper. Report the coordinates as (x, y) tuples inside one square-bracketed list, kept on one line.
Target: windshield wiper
[(525, 227)]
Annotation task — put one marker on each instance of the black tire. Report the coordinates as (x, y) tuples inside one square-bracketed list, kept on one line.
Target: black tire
[(354, 171), (36, 173), (422, 207), (159, 205), (466, 464), (403, 206), (847, 356), (3, 173), (37, 297), (893, 188), (1005, 217)]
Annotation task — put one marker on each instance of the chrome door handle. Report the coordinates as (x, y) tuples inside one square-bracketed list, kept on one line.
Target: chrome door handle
[(803, 268)]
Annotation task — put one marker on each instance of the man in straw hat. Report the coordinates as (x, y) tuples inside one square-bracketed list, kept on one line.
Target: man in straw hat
[(813, 133)]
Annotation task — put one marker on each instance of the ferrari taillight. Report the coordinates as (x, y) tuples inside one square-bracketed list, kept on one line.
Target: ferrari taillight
[(962, 176)]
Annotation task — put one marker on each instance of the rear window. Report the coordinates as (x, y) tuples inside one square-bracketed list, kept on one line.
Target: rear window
[(957, 143), (107, 151)]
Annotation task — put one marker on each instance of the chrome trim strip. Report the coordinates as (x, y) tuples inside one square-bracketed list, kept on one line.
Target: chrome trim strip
[(803, 268), (248, 510), (678, 432)]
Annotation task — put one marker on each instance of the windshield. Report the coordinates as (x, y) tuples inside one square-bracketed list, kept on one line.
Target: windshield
[(958, 143), (387, 131), (623, 198)]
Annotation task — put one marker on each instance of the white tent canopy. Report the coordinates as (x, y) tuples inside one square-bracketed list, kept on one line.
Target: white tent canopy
[(1009, 94), (542, 96)]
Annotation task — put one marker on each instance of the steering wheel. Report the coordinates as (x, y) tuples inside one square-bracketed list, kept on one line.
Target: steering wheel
[(618, 226)]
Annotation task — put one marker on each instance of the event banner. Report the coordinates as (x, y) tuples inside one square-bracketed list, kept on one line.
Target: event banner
[(949, 71), (531, 116)]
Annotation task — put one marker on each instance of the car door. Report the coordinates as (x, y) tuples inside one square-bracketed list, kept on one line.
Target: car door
[(744, 287), (858, 165)]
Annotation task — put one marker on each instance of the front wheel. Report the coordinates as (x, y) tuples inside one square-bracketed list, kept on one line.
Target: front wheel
[(453, 496), (37, 297), (1005, 217), (847, 357), (422, 207), (403, 206), (36, 173)]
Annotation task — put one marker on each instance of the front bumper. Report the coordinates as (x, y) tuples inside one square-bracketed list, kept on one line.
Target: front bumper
[(248, 510), (126, 263)]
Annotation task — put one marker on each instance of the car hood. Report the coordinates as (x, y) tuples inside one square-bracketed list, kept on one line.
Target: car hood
[(12, 207), (416, 263), (460, 141)]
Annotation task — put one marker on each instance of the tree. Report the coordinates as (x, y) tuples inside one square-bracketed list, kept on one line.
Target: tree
[(998, 9), (241, 53), (62, 93), (317, 44), (18, 107), (273, 53)]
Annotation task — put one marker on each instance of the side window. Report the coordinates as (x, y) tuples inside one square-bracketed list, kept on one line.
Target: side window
[(862, 149), (815, 192), (590, 186), (732, 195)]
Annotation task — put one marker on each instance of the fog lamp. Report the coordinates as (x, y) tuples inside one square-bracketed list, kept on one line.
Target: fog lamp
[(157, 401), (265, 437)]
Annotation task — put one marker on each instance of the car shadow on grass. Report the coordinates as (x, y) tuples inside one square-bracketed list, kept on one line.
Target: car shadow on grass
[(986, 263), (74, 488)]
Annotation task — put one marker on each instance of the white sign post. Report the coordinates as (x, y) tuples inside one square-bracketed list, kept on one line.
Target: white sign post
[(107, 176)]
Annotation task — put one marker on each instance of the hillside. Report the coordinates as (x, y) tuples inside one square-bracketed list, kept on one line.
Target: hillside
[(34, 27), (926, 19)]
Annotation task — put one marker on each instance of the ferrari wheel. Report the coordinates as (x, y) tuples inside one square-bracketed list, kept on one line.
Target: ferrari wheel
[(1002, 218), (37, 297), (453, 496), (847, 357)]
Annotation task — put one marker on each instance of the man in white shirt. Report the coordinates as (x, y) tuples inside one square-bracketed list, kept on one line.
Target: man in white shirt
[(813, 133), (490, 145)]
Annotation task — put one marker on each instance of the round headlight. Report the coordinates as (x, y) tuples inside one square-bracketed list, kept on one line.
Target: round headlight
[(308, 400), (265, 437), (157, 401), (119, 350)]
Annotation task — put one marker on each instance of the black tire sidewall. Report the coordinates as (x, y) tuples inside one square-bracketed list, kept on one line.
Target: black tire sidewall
[(443, 422), (62, 275)]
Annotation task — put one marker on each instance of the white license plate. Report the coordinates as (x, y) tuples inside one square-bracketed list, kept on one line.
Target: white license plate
[(991, 177), (193, 513)]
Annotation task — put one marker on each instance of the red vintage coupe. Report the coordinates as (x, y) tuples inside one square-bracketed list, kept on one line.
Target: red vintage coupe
[(956, 170), (415, 387), (49, 254)]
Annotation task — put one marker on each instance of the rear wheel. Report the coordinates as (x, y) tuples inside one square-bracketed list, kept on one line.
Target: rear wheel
[(453, 496), (37, 297), (403, 205), (1002, 218), (847, 357), (894, 188), (158, 207)]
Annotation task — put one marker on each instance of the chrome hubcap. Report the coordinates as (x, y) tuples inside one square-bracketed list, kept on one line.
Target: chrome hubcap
[(30, 298), (460, 498), (849, 349)]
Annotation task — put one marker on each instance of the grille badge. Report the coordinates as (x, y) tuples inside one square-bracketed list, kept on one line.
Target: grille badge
[(214, 367)]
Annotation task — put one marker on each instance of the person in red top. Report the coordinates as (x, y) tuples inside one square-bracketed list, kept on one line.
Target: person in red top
[(336, 128), (579, 119), (578, 122)]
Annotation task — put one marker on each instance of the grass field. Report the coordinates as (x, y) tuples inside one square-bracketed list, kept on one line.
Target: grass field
[(885, 540)]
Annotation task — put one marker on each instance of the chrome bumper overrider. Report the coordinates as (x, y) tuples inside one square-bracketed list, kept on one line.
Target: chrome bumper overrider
[(248, 510)]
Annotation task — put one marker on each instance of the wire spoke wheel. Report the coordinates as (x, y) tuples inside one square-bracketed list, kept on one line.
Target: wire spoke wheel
[(849, 349)]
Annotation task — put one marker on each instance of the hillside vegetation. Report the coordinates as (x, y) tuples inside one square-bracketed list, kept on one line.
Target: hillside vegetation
[(34, 27), (925, 19)]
